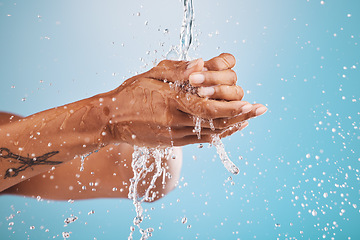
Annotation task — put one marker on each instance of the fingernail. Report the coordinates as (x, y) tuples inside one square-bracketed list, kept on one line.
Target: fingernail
[(192, 63), (205, 69), (206, 91), (196, 78), (260, 111), (244, 124), (246, 108)]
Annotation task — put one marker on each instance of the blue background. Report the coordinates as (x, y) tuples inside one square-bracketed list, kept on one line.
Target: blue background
[(299, 162)]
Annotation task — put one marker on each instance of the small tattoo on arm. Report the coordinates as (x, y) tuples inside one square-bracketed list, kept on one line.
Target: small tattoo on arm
[(26, 162)]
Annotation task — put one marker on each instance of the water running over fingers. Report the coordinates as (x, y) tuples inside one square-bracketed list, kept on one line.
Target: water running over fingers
[(142, 156), (186, 38)]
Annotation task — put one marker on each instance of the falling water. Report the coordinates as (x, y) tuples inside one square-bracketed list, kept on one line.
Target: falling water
[(187, 34), (186, 38), (145, 161), (228, 164), (142, 156)]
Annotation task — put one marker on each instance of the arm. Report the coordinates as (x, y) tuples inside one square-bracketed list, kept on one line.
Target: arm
[(44, 140), (105, 174), (114, 117)]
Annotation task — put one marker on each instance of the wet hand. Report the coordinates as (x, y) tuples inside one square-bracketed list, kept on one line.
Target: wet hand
[(146, 110), (213, 79), (217, 80)]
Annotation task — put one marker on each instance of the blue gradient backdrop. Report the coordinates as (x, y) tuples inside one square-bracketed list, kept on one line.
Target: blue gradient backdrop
[(299, 163)]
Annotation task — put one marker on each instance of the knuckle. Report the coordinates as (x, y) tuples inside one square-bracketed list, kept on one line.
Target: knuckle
[(217, 64), (233, 77), (234, 112), (163, 63), (229, 59), (239, 92), (225, 63)]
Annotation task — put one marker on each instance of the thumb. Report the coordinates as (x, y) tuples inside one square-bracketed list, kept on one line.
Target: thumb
[(173, 71)]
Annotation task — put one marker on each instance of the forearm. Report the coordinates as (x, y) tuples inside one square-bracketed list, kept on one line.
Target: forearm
[(106, 174), (38, 143)]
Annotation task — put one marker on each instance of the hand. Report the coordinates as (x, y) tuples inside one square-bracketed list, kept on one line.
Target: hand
[(145, 110), (215, 80), (218, 81)]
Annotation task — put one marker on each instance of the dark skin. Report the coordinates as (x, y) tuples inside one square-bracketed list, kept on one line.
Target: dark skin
[(58, 136)]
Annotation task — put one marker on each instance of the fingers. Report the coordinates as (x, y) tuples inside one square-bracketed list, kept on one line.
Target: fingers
[(211, 78), (184, 136), (231, 130), (180, 70), (173, 71), (222, 62), (181, 132), (219, 109), (211, 109), (257, 110), (223, 123), (228, 93)]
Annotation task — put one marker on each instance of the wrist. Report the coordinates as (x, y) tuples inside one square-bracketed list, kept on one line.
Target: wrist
[(107, 115)]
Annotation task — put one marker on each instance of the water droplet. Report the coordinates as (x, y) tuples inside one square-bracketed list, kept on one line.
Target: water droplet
[(314, 212), (70, 220), (66, 235), (138, 220)]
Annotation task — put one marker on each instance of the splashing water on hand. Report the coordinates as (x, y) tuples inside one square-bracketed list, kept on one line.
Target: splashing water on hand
[(186, 38), (142, 155)]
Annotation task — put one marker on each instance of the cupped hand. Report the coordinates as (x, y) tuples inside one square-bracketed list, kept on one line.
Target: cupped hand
[(150, 110)]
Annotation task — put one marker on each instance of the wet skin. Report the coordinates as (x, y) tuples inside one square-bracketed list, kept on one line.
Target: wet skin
[(139, 112)]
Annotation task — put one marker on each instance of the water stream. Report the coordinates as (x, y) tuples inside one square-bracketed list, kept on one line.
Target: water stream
[(145, 161), (148, 160), (186, 38)]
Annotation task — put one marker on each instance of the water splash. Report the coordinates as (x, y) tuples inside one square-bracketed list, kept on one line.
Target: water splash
[(83, 157), (197, 127), (186, 38), (142, 156), (220, 149), (145, 161)]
